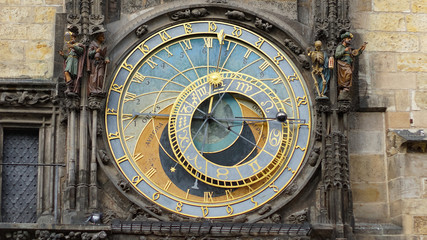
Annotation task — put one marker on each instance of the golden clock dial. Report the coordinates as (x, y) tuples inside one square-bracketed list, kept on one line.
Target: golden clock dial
[(191, 119)]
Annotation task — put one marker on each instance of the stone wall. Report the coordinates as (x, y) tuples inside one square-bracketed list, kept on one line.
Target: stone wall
[(27, 38), (389, 183)]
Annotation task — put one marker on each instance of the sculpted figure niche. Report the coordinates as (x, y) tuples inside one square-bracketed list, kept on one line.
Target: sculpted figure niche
[(345, 56), (74, 60), (97, 63)]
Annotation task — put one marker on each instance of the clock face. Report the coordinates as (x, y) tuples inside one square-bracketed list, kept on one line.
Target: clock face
[(192, 119)]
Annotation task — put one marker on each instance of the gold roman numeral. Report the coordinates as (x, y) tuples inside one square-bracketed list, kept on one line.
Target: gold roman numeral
[(151, 63), (207, 196), (264, 66), (208, 42), (187, 44), (164, 36), (150, 172)]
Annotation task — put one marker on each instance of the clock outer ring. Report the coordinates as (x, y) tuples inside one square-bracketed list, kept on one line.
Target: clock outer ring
[(125, 163)]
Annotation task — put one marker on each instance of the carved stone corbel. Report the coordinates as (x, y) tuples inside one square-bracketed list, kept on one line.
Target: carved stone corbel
[(299, 217), (259, 23), (237, 15)]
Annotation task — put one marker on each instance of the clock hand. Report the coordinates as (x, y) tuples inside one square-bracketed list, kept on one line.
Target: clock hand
[(231, 130), (221, 37), (205, 136), (135, 114)]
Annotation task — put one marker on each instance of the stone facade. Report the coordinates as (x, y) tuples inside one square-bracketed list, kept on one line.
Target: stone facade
[(388, 167), (392, 74)]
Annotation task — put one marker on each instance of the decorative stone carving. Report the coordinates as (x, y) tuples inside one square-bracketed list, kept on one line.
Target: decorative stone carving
[(302, 58), (103, 156), (24, 98), (314, 156), (124, 185), (259, 23), (240, 219), (95, 101), (187, 13), (298, 217), (344, 105), (46, 235), (141, 30), (290, 190), (237, 15), (72, 102), (265, 209), (274, 218)]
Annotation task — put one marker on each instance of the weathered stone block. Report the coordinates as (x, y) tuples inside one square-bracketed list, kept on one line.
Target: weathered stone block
[(396, 208), (383, 62), (391, 6), (366, 121), (39, 31), (386, 22), (37, 50), (399, 80), (16, 14), (424, 184), (361, 6), (420, 119), (370, 212), (414, 62), (396, 165), (419, 6), (420, 224), (367, 168), (403, 100), (421, 80), (11, 51), (397, 120), (395, 42), (10, 31), (32, 2), (420, 99), (44, 14), (414, 206), (366, 142), (54, 2), (416, 22), (369, 192), (404, 188)]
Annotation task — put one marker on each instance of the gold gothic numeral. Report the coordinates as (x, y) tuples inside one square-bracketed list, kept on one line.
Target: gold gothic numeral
[(188, 28), (111, 111), (259, 43), (130, 97), (248, 52), (228, 195), (299, 147), (137, 179), (169, 53), (278, 58), (253, 201), (138, 157), (112, 136), (178, 206), (302, 100), (144, 48), (187, 44), (122, 159), (117, 88), (127, 116), (150, 172), (237, 32), (229, 210), (127, 66), (208, 42), (167, 185), (151, 63), (156, 196), (274, 187), (263, 66), (212, 27), (205, 211), (164, 36), (138, 78), (292, 78), (207, 196)]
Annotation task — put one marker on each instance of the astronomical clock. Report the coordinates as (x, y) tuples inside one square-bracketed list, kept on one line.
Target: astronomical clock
[(208, 119)]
